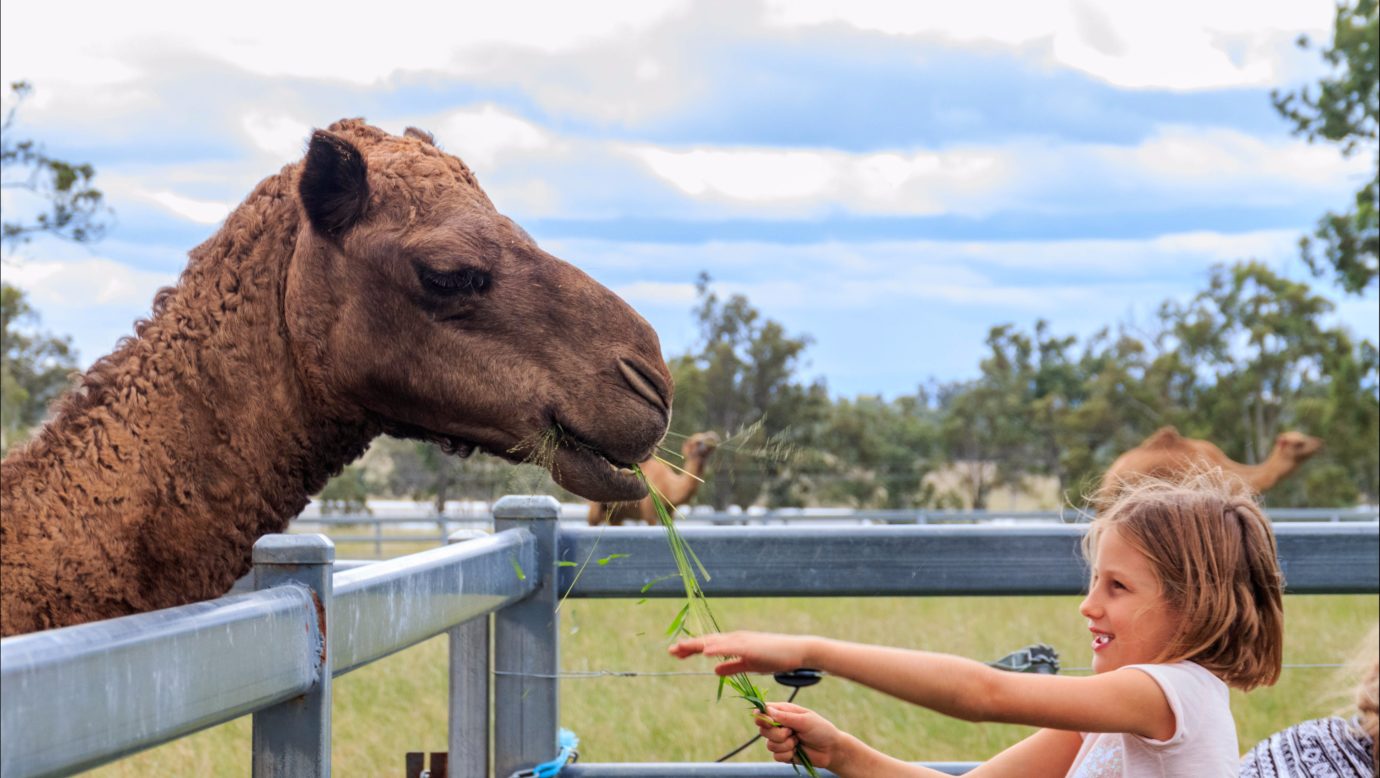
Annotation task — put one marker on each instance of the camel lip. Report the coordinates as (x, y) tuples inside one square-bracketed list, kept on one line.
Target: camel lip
[(589, 471), (593, 476)]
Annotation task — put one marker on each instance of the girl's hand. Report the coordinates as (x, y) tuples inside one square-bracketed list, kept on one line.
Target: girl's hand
[(751, 652), (824, 743)]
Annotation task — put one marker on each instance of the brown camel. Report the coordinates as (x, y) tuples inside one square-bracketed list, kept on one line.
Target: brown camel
[(1167, 453), (676, 484), (371, 288)]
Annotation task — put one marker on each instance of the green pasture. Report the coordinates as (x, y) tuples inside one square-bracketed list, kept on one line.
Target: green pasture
[(399, 704)]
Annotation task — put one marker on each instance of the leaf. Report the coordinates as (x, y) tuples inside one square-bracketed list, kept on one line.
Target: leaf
[(678, 623), (656, 581), (517, 568), (610, 558)]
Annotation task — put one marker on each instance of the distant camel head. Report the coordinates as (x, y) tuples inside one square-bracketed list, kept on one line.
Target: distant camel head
[(1297, 446), (700, 445), (413, 302)]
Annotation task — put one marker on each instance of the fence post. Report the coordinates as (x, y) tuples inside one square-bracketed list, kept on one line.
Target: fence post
[(469, 689), (293, 738), (526, 647)]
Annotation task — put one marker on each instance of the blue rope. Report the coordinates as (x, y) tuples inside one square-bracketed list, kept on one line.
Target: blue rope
[(567, 742)]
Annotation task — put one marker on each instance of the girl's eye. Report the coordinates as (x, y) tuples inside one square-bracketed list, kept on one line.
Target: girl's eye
[(453, 282), (1118, 585)]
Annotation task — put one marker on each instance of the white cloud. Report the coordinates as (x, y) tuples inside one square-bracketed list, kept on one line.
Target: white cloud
[(761, 175), (199, 211), (85, 283), (282, 136), (1173, 44), (912, 182), (351, 40), (656, 293), (482, 136), (1183, 165)]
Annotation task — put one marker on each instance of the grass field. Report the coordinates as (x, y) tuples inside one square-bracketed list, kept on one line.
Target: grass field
[(399, 704)]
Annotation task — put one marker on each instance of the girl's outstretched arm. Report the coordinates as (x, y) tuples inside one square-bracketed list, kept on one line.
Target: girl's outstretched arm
[(1046, 754), (1124, 700)]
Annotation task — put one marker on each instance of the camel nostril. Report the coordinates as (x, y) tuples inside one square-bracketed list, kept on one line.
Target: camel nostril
[(643, 384)]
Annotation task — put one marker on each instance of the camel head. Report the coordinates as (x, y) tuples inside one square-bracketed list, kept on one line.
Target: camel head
[(413, 303), (700, 445), (1296, 446)]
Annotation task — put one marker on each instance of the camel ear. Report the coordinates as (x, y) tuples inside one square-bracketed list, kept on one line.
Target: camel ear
[(334, 185)]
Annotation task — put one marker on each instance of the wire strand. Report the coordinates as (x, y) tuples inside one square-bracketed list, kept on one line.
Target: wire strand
[(591, 674)]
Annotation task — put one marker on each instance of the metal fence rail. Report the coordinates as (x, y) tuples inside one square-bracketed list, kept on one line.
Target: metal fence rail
[(433, 528), (76, 697), (80, 696), (917, 560)]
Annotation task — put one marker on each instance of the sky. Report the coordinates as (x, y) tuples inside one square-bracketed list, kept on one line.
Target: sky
[(891, 179)]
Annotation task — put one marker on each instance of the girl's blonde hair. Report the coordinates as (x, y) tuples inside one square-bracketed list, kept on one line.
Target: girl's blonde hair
[(1368, 697), (1213, 551)]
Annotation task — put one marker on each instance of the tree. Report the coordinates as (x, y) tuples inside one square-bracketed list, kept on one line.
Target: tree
[(1343, 110), (36, 368), (876, 454), (71, 207), (1253, 355), (37, 365), (423, 471), (1116, 405), (347, 492), (740, 380), (1004, 426)]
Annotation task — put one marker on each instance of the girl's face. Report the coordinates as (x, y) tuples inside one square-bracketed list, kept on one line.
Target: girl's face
[(1127, 615)]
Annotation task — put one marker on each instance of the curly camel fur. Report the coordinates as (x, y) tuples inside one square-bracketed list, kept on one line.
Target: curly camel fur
[(676, 485), (371, 288), (1167, 453)]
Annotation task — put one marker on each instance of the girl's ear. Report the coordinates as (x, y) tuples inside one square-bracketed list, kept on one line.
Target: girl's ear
[(334, 186)]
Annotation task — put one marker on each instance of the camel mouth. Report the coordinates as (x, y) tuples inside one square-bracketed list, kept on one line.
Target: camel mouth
[(580, 467), (588, 472)]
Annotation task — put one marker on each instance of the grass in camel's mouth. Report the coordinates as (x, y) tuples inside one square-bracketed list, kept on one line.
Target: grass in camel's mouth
[(540, 449)]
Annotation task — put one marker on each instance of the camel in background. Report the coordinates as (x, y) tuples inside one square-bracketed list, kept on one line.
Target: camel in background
[(1167, 453), (372, 288), (677, 485)]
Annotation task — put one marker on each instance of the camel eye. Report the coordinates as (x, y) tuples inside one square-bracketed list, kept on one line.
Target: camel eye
[(449, 283)]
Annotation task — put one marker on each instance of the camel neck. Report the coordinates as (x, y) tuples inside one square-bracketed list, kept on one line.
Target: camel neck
[(202, 422), (684, 480), (1268, 473)]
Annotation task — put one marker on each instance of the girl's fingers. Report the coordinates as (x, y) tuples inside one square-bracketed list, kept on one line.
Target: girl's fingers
[(785, 746), (789, 718), (775, 734), (731, 667), (688, 647)]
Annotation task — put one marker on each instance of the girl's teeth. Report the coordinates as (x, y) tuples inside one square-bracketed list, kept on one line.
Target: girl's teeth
[(1101, 641)]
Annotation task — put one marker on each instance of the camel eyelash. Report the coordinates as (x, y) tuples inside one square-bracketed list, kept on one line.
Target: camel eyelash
[(453, 282)]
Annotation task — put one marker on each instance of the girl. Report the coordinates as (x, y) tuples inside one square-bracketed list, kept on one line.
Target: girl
[(1184, 601)]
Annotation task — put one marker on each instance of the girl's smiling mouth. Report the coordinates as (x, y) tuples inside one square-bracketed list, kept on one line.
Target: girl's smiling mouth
[(1100, 640)]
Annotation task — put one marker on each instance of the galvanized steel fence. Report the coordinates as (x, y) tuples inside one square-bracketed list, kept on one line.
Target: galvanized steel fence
[(81, 696)]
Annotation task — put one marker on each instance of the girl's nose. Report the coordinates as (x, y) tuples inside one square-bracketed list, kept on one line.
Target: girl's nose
[(1088, 607)]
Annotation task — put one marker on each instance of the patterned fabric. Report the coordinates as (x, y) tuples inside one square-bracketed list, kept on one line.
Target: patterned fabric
[(1321, 748), (1103, 760)]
